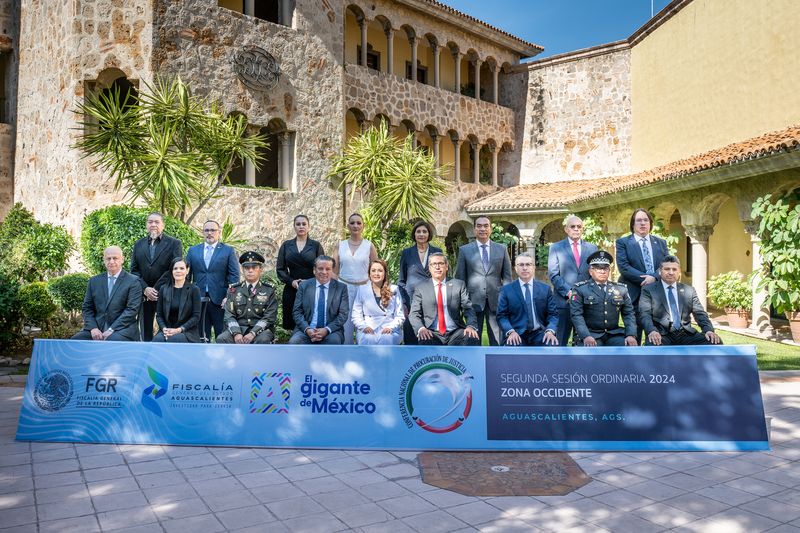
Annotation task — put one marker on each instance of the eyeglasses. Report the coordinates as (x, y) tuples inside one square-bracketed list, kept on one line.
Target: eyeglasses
[(437, 264), (210, 230)]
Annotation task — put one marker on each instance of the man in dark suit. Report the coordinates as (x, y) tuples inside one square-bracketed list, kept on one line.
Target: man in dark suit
[(485, 267), (441, 310), (151, 259), (112, 301), (213, 268), (638, 257), (566, 265), (321, 307), (667, 308), (527, 311)]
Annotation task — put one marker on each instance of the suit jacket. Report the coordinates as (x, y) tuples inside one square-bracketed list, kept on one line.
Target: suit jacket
[(221, 273), (367, 313), (511, 312), (150, 272), (424, 313), (631, 263), (337, 311), (483, 286), (654, 309), (563, 271), (412, 272), (118, 311), (188, 310)]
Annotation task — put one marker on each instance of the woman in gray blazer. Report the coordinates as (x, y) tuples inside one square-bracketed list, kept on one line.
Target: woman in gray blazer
[(178, 307), (377, 312)]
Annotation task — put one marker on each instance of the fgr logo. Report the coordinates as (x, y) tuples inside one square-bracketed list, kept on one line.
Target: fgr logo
[(154, 391), (53, 391), (270, 392), (436, 394)]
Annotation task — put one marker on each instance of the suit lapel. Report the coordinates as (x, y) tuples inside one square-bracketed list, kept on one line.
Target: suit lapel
[(184, 296), (160, 246), (214, 254), (117, 283), (638, 252)]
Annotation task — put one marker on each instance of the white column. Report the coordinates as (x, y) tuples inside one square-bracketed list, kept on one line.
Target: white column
[(478, 63), (494, 165), (286, 12), (760, 319), (699, 236), (436, 139), (249, 174), (435, 49), (476, 162), (249, 7), (495, 85), (363, 25), (390, 51), (412, 41), (457, 59), (457, 161), (285, 178)]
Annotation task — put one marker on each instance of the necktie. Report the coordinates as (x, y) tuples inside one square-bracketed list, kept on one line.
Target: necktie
[(208, 254), (111, 280), (321, 307), (576, 254), (673, 307), (648, 260), (152, 249), (252, 290), (529, 308), (442, 327), (485, 257)]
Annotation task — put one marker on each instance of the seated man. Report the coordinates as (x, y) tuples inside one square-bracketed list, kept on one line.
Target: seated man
[(441, 311), (527, 312), (597, 304), (251, 307), (112, 301), (321, 307), (667, 307)]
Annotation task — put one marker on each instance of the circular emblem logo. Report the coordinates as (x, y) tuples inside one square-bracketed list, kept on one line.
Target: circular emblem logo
[(256, 68), (439, 397), (53, 391)]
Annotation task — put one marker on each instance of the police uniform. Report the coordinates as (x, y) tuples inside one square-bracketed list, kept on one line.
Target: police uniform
[(596, 310), (250, 309)]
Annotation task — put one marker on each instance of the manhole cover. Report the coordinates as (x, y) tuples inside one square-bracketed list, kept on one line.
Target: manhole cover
[(523, 473)]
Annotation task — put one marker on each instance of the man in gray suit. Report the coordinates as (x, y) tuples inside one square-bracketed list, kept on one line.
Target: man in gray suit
[(485, 267), (441, 311), (321, 307), (567, 265), (111, 304)]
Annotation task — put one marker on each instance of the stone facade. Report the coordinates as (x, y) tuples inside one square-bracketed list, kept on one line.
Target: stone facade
[(9, 59)]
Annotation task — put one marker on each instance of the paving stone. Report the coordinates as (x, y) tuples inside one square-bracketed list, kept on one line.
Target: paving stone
[(320, 485), (260, 479), (205, 472), (18, 516), (83, 524), (361, 478), (414, 485), (101, 460), (392, 526), (273, 493), (695, 504), (398, 471), (10, 473), (232, 455), (727, 495), (446, 498), (623, 500), (182, 451), (648, 469), (196, 460), (740, 466), (161, 479), (521, 507), (15, 459), (341, 499), (435, 522), (180, 509), (126, 518), (778, 511), (342, 465), (664, 515), (248, 466), (755, 486), (294, 507), (245, 517), (682, 480), (475, 513), (787, 475), (58, 494), (173, 493), (17, 499), (58, 480), (151, 467), (62, 509), (619, 478), (595, 487), (407, 506), (112, 486), (655, 490), (27, 528), (138, 453), (373, 459), (628, 523), (231, 500), (319, 456), (287, 460), (384, 490), (88, 450), (206, 524), (57, 454), (733, 521), (217, 486), (109, 472), (362, 515), (298, 473), (511, 525), (315, 523), (119, 500)]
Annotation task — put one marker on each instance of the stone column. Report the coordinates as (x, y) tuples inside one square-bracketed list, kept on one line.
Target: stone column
[(363, 25), (390, 51), (478, 64), (699, 236), (495, 84), (435, 140), (457, 59), (457, 160), (413, 134), (435, 49), (476, 162), (412, 41), (286, 12), (495, 150), (249, 174), (760, 319), (363, 125), (285, 178), (249, 7)]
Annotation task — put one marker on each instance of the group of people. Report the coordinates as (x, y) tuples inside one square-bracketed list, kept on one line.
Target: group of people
[(348, 297)]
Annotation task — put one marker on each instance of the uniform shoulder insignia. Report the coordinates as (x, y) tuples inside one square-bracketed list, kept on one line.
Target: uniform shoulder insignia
[(578, 284)]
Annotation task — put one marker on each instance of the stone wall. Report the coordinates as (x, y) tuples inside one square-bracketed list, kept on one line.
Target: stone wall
[(6, 168), (9, 42), (577, 118)]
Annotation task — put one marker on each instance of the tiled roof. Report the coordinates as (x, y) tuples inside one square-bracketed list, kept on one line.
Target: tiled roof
[(562, 194)]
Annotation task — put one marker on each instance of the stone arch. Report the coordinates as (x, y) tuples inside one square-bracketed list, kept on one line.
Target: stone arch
[(427, 137), (448, 151), (355, 122), (353, 19), (382, 117), (112, 81), (405, 128), (459, 233), (450, 61), (384, 22)]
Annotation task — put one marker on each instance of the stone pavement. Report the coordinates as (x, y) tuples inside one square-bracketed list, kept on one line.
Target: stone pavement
[(85, 487)]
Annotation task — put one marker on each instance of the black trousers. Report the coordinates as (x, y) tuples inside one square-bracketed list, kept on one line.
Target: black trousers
[(451, 338), (608, 339), (409, 335), (564, 329), (492, 327), (84, 335), (213, 318), (531, 338), (148, 317), (682, 337)]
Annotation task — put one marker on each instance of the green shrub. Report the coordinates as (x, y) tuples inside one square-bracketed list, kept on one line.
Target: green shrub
[(35, 303), (32, 251), (68, 291), (730, 291), (122, 226), (9, 311)]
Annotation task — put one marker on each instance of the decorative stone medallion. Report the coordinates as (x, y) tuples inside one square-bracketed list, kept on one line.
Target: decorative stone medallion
[(256, 68)]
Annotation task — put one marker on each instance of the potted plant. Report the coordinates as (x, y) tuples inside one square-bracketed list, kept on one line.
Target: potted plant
[(731, 292), (779, 230)]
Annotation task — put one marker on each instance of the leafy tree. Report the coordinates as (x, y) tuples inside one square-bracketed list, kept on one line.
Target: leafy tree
[(779, 230), (69, 291), (168, 147)]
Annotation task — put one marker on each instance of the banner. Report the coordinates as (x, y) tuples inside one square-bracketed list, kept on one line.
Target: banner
[(395, 398)]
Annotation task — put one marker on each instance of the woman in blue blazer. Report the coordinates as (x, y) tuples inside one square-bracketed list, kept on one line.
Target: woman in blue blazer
[(414, 270)]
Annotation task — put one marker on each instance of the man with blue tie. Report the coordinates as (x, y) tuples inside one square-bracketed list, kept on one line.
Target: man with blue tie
[(667, 309), (527, 311), (321, 307), (213, 268), (566, 265)]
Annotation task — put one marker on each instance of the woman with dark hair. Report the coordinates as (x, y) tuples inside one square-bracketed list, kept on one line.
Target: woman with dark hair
[(178, 307), (377, 312), (414, 270), (295, 265)]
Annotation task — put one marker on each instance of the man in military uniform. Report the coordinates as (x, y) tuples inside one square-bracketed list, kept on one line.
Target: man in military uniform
[(251, 308), (596, 305)]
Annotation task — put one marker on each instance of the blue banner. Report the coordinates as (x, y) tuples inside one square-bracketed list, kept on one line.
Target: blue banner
[(395, 398)]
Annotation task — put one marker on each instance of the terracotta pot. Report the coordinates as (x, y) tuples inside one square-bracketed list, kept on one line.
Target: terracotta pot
[(794, 324), (737, 318)]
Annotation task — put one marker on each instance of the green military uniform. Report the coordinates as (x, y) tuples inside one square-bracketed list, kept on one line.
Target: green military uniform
[(596, 312), (250, 308)]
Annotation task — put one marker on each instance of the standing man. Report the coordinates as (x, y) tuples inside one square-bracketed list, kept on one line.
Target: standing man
[(112, 301), (441, 310), (597, 305), (321, 307), (638, 257), (213, 268), (251, 308), (152, 258), (667, 308), (527, 311), (566, 265), (485, 267)]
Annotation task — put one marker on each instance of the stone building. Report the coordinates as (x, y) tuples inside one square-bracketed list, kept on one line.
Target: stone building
[(9, 59)]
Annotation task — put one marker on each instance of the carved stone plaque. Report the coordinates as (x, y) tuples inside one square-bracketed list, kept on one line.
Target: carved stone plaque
[(256, 68)]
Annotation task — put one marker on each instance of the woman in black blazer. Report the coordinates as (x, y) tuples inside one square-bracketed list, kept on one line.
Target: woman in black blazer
[(178, 307), (296, 264), (414, 270)]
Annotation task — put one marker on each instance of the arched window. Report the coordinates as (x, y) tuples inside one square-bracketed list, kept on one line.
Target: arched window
[(111, 82), (276, 168)]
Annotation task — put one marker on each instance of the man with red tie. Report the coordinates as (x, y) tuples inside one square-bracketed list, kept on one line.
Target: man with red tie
[(441, 312)]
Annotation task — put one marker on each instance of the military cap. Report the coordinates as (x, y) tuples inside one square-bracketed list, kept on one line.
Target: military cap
[(251, 259), (600, 258)]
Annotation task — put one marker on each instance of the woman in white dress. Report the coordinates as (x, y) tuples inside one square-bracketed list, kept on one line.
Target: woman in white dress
[(353, 257), (377, 311)]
